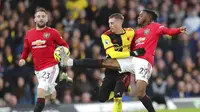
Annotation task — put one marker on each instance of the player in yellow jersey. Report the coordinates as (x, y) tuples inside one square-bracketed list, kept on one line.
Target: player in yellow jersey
[(116, 42)]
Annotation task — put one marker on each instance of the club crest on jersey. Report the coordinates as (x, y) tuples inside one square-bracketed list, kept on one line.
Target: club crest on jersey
[(46, 35), (146, 31)]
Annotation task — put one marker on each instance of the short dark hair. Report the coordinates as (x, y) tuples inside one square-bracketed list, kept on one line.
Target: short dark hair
[(153, 14), (117, 16), (38, 9)]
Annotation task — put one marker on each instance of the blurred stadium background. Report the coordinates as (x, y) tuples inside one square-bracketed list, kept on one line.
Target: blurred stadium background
[(175, 78)]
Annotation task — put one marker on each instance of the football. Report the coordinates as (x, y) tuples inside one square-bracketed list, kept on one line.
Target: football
[(57, 53)]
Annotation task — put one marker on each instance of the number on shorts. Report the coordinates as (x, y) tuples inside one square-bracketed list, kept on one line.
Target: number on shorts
[(46, 75), (143, 72)]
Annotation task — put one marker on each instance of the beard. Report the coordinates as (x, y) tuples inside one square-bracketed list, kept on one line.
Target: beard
[(41, 25)]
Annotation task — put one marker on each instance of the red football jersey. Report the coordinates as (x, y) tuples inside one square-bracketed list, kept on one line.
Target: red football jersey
[(42, 43), (147, 38)]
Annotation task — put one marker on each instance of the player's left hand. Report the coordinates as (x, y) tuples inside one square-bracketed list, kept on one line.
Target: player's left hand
[(183, 29), (138, 52), (22, 62)]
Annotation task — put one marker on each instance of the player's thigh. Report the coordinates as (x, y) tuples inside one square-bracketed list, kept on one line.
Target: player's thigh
[(125, 78), (126, 65), (105, 89), (142, 69), (47, 78)]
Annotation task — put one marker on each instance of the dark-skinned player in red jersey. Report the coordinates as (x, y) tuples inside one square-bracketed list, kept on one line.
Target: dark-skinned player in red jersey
[(41, 43), (146, 37)]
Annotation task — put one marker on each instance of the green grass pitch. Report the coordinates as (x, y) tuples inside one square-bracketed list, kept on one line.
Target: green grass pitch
[(178, 110)]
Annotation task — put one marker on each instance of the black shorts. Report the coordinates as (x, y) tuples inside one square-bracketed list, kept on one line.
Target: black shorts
[(113, 81)]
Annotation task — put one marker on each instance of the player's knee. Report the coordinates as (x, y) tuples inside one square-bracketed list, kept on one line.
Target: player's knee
[(53, 95), (107, 62), (42, 89), (41, 93), (102, 98), (110, 63)]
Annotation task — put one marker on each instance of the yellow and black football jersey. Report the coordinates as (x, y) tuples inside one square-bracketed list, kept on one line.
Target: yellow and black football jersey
[(118, 45)]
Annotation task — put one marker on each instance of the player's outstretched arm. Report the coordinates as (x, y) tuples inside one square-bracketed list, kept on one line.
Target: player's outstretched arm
[(171, 31)]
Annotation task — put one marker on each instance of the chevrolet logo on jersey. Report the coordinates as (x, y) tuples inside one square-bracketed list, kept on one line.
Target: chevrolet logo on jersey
[(38, 42), (139, 40)]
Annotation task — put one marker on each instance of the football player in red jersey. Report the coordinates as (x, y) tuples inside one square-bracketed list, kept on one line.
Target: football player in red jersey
[(41, 43), (145, 38)]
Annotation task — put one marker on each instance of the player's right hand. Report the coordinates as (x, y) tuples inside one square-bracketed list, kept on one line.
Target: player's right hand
[(183, 29), (21, 62), (138, 52)]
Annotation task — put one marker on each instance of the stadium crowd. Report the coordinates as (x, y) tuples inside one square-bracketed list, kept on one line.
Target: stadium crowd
[(176, 73)]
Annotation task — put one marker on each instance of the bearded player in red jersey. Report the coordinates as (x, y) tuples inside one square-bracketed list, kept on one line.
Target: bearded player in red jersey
[(146, 37), (41, 42)]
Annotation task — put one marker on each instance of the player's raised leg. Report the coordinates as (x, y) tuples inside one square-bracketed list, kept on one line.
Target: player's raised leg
[(88, 63), (95, 63)]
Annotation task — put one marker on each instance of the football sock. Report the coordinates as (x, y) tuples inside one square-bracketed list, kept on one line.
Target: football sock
[(146, 101), (88, 63), (111, 95), (117, 107), (40, 105)]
